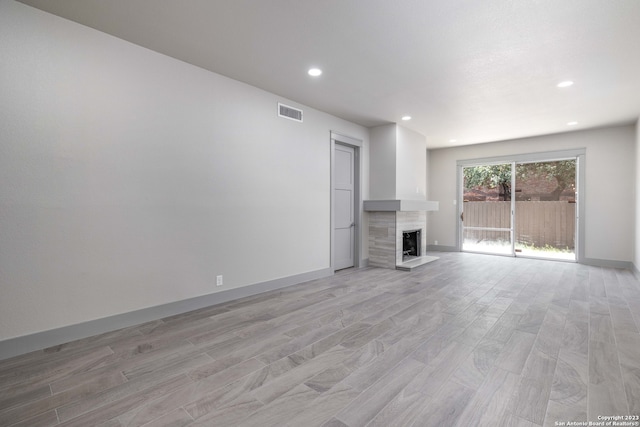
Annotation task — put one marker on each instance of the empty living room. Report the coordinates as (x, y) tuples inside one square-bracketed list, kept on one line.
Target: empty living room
[(305, 213)]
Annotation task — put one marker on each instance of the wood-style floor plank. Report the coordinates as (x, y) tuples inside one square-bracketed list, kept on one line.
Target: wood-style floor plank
[(571, 379), (606, 389), (515, 352), (373, 399), (466, 340), (491, 400), (445, 408)]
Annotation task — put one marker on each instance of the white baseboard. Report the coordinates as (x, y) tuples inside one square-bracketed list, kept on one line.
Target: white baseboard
[(628, 265)]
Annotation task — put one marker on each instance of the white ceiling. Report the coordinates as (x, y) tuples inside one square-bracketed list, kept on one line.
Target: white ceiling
[(469, 70)]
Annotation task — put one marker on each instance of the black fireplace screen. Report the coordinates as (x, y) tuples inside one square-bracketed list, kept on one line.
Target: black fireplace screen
[(411, 243)]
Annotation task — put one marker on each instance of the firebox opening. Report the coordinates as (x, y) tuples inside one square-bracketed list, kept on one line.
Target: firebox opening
[(411, 244)]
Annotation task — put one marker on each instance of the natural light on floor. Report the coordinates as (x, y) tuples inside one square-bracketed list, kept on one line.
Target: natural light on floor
[(504, 248)]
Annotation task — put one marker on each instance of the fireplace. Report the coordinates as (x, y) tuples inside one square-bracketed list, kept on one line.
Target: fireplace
[(411, 243), (398, 239)]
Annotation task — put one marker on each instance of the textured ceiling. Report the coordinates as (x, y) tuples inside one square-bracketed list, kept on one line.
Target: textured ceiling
[(469, 70)]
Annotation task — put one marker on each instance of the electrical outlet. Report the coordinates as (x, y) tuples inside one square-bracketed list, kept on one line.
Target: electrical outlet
[(219, 280), (436, 242)]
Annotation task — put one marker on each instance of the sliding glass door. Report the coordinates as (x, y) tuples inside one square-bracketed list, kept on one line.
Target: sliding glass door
[(487, 213), (545, 209), (524, 208)]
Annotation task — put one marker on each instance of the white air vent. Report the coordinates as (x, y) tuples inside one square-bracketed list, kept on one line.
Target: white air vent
[(289, 112)]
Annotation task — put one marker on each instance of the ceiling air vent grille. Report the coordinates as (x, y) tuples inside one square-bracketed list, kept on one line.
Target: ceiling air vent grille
[(289, 112)]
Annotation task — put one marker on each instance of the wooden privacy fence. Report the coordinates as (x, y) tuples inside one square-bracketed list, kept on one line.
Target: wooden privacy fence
[(537, 223)]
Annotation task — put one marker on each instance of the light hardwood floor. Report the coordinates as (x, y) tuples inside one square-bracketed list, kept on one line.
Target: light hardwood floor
[(466, 340)]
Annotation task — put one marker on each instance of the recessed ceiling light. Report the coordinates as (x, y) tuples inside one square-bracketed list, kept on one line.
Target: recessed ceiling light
[(405, 118), (315, 72), (565, 83), (572, 123), (453, 140)]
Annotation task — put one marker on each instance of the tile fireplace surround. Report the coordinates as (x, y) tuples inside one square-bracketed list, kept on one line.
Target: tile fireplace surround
[(387, 220)]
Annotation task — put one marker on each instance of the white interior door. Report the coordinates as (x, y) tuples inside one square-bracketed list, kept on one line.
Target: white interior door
[(344, 215)]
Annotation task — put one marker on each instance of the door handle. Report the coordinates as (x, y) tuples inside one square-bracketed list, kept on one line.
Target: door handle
[(353, 224), (462, 217)]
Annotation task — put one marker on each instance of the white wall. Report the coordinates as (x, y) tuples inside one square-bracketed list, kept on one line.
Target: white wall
[(129, 179), (411, 165), (398, 163), (383, 162), (610, 185)]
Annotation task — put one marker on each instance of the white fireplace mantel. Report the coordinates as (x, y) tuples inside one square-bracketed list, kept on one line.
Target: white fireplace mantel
[(400, 205)]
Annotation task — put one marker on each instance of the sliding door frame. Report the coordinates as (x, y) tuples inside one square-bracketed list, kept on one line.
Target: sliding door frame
[(578, 154)]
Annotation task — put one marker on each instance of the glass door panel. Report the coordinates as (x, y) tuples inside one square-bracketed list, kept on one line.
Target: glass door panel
[(487, 209), (487, 241), (545, 209)]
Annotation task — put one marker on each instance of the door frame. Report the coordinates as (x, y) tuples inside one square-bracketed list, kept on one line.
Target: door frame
[(579, 154), (356, 144)]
